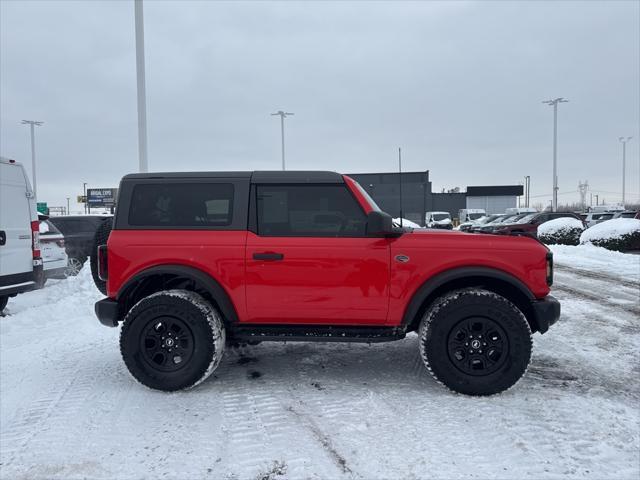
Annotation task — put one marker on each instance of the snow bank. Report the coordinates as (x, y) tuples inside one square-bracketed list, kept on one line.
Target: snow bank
[(561, 231), (405, 223), (559, 225), (597, 259), (610, 229)]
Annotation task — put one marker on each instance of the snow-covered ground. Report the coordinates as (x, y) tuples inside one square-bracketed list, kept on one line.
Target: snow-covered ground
[(69, 409)]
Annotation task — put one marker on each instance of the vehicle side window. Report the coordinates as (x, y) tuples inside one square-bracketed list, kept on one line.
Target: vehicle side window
[(181, 205), (308, 211)]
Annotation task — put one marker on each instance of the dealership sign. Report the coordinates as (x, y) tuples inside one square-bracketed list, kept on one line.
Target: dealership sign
[(102, 197)]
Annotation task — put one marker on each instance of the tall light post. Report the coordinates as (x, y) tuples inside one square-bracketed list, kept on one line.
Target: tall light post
[(32, 124), (282, 115), (554, 103), (142, 94), (624, 141), (527, 183), (84, 187)]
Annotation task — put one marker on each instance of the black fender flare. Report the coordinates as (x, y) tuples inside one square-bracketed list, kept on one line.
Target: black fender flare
[(201, 278), (437, 281)]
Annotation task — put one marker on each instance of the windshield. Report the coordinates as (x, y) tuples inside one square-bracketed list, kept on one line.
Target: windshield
[(476, 216), (502, 219), (367, 197), (527, 218), (441, 216)]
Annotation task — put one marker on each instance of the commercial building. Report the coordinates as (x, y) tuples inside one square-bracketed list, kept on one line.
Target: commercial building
[(417, 197)]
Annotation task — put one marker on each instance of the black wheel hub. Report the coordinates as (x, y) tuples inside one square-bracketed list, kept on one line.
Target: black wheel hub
[(167, 344), (477, 346)]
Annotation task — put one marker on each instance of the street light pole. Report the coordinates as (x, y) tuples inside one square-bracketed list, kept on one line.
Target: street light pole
[(84, 187), (32, 124), (624, 165), (142, 94), (282, 115), (554, 103)]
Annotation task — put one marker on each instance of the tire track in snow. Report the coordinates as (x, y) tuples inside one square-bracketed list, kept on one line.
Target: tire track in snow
[(259, 433), (598, 299), (36, 421), (598, 276)]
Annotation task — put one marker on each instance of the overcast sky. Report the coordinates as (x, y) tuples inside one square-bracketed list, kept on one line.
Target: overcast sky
[(458, 85)]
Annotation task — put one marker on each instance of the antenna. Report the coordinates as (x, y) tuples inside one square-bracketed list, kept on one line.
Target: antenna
[(400, 181)]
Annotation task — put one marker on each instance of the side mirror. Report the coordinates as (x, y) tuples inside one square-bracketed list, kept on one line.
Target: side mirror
[(380, 224)]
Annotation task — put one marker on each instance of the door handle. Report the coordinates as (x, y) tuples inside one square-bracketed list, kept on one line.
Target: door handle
[(268, 256), (3, 237)]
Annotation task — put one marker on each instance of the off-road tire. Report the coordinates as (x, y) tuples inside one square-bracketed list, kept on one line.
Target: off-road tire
[(202, 324), (100, 238), (454, 314), (3, 303)]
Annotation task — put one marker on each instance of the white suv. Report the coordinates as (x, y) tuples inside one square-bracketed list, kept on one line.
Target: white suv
[(20, 262)]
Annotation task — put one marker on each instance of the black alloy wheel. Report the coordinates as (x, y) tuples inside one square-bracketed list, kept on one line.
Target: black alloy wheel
[(478, 346), (167, 344)]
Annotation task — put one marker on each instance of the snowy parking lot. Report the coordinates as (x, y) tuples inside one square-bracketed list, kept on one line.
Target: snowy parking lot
[(69, 408)]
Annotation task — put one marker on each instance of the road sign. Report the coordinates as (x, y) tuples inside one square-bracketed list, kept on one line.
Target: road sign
[(42, 208), (81, 199), (102, 197)]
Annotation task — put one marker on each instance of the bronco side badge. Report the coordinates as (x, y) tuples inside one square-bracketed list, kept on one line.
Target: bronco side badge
[(402, 258)]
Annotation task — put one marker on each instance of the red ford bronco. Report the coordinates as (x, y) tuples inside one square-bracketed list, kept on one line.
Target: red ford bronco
[(197, 260)]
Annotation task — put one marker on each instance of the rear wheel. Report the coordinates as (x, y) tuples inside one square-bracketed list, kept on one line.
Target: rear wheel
[(475, 342), (172, 340), (100, 238), (74, 265), (3, 303)]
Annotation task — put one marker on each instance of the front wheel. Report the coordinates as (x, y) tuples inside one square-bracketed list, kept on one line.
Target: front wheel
[(172, 340), (475, 342)]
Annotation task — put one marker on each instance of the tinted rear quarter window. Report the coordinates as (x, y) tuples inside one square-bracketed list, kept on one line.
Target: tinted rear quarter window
[(181, 205)]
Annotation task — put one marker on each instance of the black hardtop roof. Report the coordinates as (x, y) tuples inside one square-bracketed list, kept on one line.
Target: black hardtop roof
[(258, 176)]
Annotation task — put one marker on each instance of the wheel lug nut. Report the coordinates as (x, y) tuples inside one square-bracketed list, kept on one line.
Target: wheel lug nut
[(480, 351)]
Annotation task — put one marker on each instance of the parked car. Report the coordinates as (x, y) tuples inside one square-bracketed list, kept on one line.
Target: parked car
[(528, 224), (20, 261), (468, 226), (593, 218), (196, 259), (52, 248), (489, 226), (438, 220), (627, 214), (78, 231)]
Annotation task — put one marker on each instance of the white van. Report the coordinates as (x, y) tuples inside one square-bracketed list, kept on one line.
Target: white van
[(470, 214), (20, 262), (438, 220), (520, 210)]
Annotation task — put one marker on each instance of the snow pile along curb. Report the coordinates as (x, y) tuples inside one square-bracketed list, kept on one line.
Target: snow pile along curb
[(561, 231), (621, 234)]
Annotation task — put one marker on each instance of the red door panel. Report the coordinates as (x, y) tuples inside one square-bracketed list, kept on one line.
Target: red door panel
[(314, 280)]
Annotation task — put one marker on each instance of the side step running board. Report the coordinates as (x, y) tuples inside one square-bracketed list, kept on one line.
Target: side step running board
[(315, 333)]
